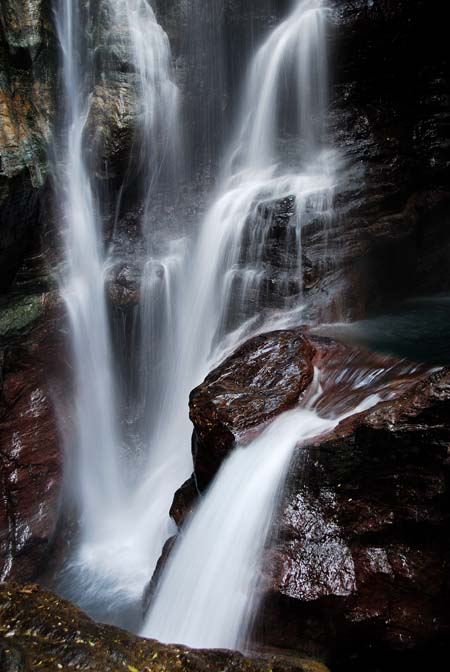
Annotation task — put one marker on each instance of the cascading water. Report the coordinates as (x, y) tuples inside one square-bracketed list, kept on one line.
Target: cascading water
[(106, 572), (200, 331), (96, 442), (198, 303), (206, 599), (230, 273), (208, 594), (226, 295), (158, 141)]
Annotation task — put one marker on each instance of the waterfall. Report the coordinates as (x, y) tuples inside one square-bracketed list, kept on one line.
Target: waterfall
[(108, 569), (206, 599), (96, 442), (225, 301), (160, 157), (230, 276), (206, 287), (208, 594), (158, 142), (202, 293)]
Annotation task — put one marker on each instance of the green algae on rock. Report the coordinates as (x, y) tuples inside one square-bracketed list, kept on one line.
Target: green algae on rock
[(20, 315), (39, 631)]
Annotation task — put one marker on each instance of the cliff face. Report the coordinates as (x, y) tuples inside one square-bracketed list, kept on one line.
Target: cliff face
[(27, 93), (390, 238), (30, 454), (30, 443), (390, 123)]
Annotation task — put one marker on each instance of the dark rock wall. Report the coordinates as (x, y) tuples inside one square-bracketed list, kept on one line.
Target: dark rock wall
[(390, 238), (27, 92), (360, 559), (31, 360), (30, 455), (390, 122)]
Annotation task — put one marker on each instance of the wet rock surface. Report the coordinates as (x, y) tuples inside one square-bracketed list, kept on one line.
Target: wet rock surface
[(123, 286), (39, 631), (390, 124), (27, 92), (358, 563), (358, 566), (184, 501), (31, 360), (263, 378), (269, 374)]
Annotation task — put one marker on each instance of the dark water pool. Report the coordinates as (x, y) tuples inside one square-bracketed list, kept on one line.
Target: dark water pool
[(418, 329)]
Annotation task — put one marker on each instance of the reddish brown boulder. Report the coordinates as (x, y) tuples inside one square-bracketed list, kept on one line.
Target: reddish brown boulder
[(269, 375), (263, 378), (359, 567), (30, 450), (184, 501)]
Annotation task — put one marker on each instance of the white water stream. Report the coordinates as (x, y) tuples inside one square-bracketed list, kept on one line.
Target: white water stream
[(97, 480), (203, 291), (110, 565), (208, 594), (206, 599), (201, 297)]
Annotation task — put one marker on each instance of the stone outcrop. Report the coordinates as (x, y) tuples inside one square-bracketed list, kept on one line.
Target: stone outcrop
[(358, 566), (39, 631), (263, 378), (27, 94), (31, 361), (267, 376), (390, 124), (184, 501), (115, 108)]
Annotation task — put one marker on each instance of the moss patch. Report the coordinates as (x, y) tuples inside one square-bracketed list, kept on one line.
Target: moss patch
[(20, 316)]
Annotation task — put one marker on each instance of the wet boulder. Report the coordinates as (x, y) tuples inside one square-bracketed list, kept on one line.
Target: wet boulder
[(184, 501), (358, 567), (263, 378), (123, 286)]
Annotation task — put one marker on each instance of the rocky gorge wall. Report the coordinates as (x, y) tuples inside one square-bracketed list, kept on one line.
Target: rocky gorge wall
[(389, 123), (381, 486), (390, 120), (27, 106)]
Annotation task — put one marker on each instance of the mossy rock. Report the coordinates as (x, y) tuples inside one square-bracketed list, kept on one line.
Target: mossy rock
[(41, 632), (19, 316)]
